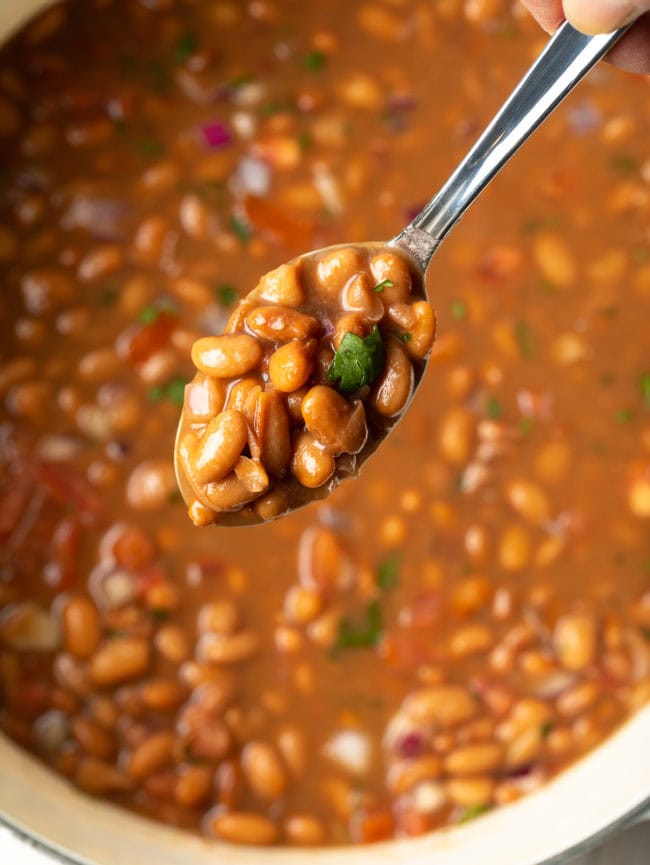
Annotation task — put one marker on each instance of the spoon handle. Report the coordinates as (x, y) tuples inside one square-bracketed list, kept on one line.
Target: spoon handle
[(567, 57)]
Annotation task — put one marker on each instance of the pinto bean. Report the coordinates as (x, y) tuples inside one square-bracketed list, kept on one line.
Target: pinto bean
[(226, 356), (359, 296), (390, 267), (81, 627), (220, 447), (243, 827), (283, 286), (312, 464), (263, 770), (291, 365), (271, 425), (334, 421), (335, 268), (120, 659), (394, 388), (279, 324)]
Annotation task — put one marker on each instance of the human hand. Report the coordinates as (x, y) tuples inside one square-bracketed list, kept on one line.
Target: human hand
[(601, 16)]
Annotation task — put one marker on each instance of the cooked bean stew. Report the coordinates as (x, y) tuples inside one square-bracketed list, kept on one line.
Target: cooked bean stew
[(441, 636), (314, 368)]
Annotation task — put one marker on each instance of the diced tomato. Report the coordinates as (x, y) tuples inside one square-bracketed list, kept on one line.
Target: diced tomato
[(296, 232), (374, 825), (133, 549), (423, 612), (404, 650), (141, 341), (147, 579)]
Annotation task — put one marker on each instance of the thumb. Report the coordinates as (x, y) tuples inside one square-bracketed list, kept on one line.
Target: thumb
[(601, 16)]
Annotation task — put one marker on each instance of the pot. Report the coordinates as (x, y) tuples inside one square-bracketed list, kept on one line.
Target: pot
[(598, 796)]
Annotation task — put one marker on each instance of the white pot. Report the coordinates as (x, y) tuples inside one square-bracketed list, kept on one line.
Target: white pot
[(602, 793)]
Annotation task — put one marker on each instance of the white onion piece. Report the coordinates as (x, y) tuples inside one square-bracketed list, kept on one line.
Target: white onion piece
[(111, 587), (428, 796), (253, 176), (351, 750)]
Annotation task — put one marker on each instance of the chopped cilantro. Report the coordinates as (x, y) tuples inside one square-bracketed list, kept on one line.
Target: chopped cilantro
[(240, 80), (185, 47), (624, 415), (388, 572), (304, 141), (640, 254), (361, 635), (174, 391), (471, 812), (358, 361), (385, 283), (644, 386), (150, 148), (314, 61), (403, 337), (623, 164), (240, 228), (493, 408), (108, 296), (160, 614), (226, 294), (458, 310), (149, 314), (523, 337), (546, 729), (645, 631), (526, 424)]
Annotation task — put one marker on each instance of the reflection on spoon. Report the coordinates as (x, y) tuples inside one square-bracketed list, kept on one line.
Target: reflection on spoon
[(313, 370), (319, 361)]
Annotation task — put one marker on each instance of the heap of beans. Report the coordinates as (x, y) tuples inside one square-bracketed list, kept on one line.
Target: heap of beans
[(312, 371)]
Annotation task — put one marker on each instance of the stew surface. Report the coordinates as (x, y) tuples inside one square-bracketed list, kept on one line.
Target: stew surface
[(444, 634)]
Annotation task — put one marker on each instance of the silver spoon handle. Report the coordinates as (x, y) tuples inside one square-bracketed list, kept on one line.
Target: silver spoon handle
[(568, 56)]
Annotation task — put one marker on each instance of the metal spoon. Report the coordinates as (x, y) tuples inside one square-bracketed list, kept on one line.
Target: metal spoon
[(566, 59)]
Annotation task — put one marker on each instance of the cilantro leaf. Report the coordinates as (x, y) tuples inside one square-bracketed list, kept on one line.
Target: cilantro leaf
[(471, 812), (493, 408), (385, 283), (459, 310), (227, 294), (524, 339), (174, 391), (314, 61), (358, 361), (185, 47), (644, 385), (240, 228), (388, 572), (363, 635)]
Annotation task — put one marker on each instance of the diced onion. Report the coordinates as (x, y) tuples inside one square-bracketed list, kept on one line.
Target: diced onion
[(351, 750)]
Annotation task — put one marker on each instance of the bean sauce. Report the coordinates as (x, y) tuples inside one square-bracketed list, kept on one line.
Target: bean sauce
[(438, 638)]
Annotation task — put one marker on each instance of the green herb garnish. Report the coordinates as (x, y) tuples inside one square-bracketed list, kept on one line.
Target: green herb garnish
[(546, 729), (640, 254), (304, 141), (108, 296), (645, 632), (150, 148), (185, 47), (624, 415), (644, 387), (388, 572), (160, 614), (240, 80), (240, 228), (493, 408), (523, 337), (403, 337), (526, 425), (624, 164), (358, 361), (458, 310), (150, 314), (472, 812), (361, 635), (174, 391), (314, 61), (385, 283), (226, 294)]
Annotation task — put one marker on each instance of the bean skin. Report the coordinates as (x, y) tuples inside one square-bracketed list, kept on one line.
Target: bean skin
[(81, 627), (312, 464), (291, 365), (283, 286), (395, 386), (219, 448), (335, 422), (120, 659), (242, 827), (279, 323), (226, 356)]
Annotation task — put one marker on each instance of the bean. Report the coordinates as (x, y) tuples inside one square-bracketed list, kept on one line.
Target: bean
[(405, 775), (578, 699), (380, 23), (514, 549), (99, 778), (219, 617), (163, 176), (456, 434), (162, 695), (220, 447), (394, 387), (149, 240), (575, 640), (422, 330), (442, 705), (193, 786), (470, 792), (301, 605), (311, 464), (351, 322), (392, 267), (474, 759), (304, 830), (358, 296), (272, 505), (228, 648), (100, 263), (119, 660), (263, 770), (194, 217), (172, 643), (335, 268), (525, 748), (81, 627), (554, 259), (240, 394), (242, 827), (93, 739), (291, 365), (280, 324), (283, 286), (46, 289), (150, 484), (336, 423), (200, 514), (227, 495), (529, 501), (152, 754), (470, 640), (204, 398), (226, 356), (271, 425), (252, 475), (552, 461), (471, 595), (323, 565)]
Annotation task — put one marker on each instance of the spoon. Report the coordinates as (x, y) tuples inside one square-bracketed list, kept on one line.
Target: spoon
[(220, 484)]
